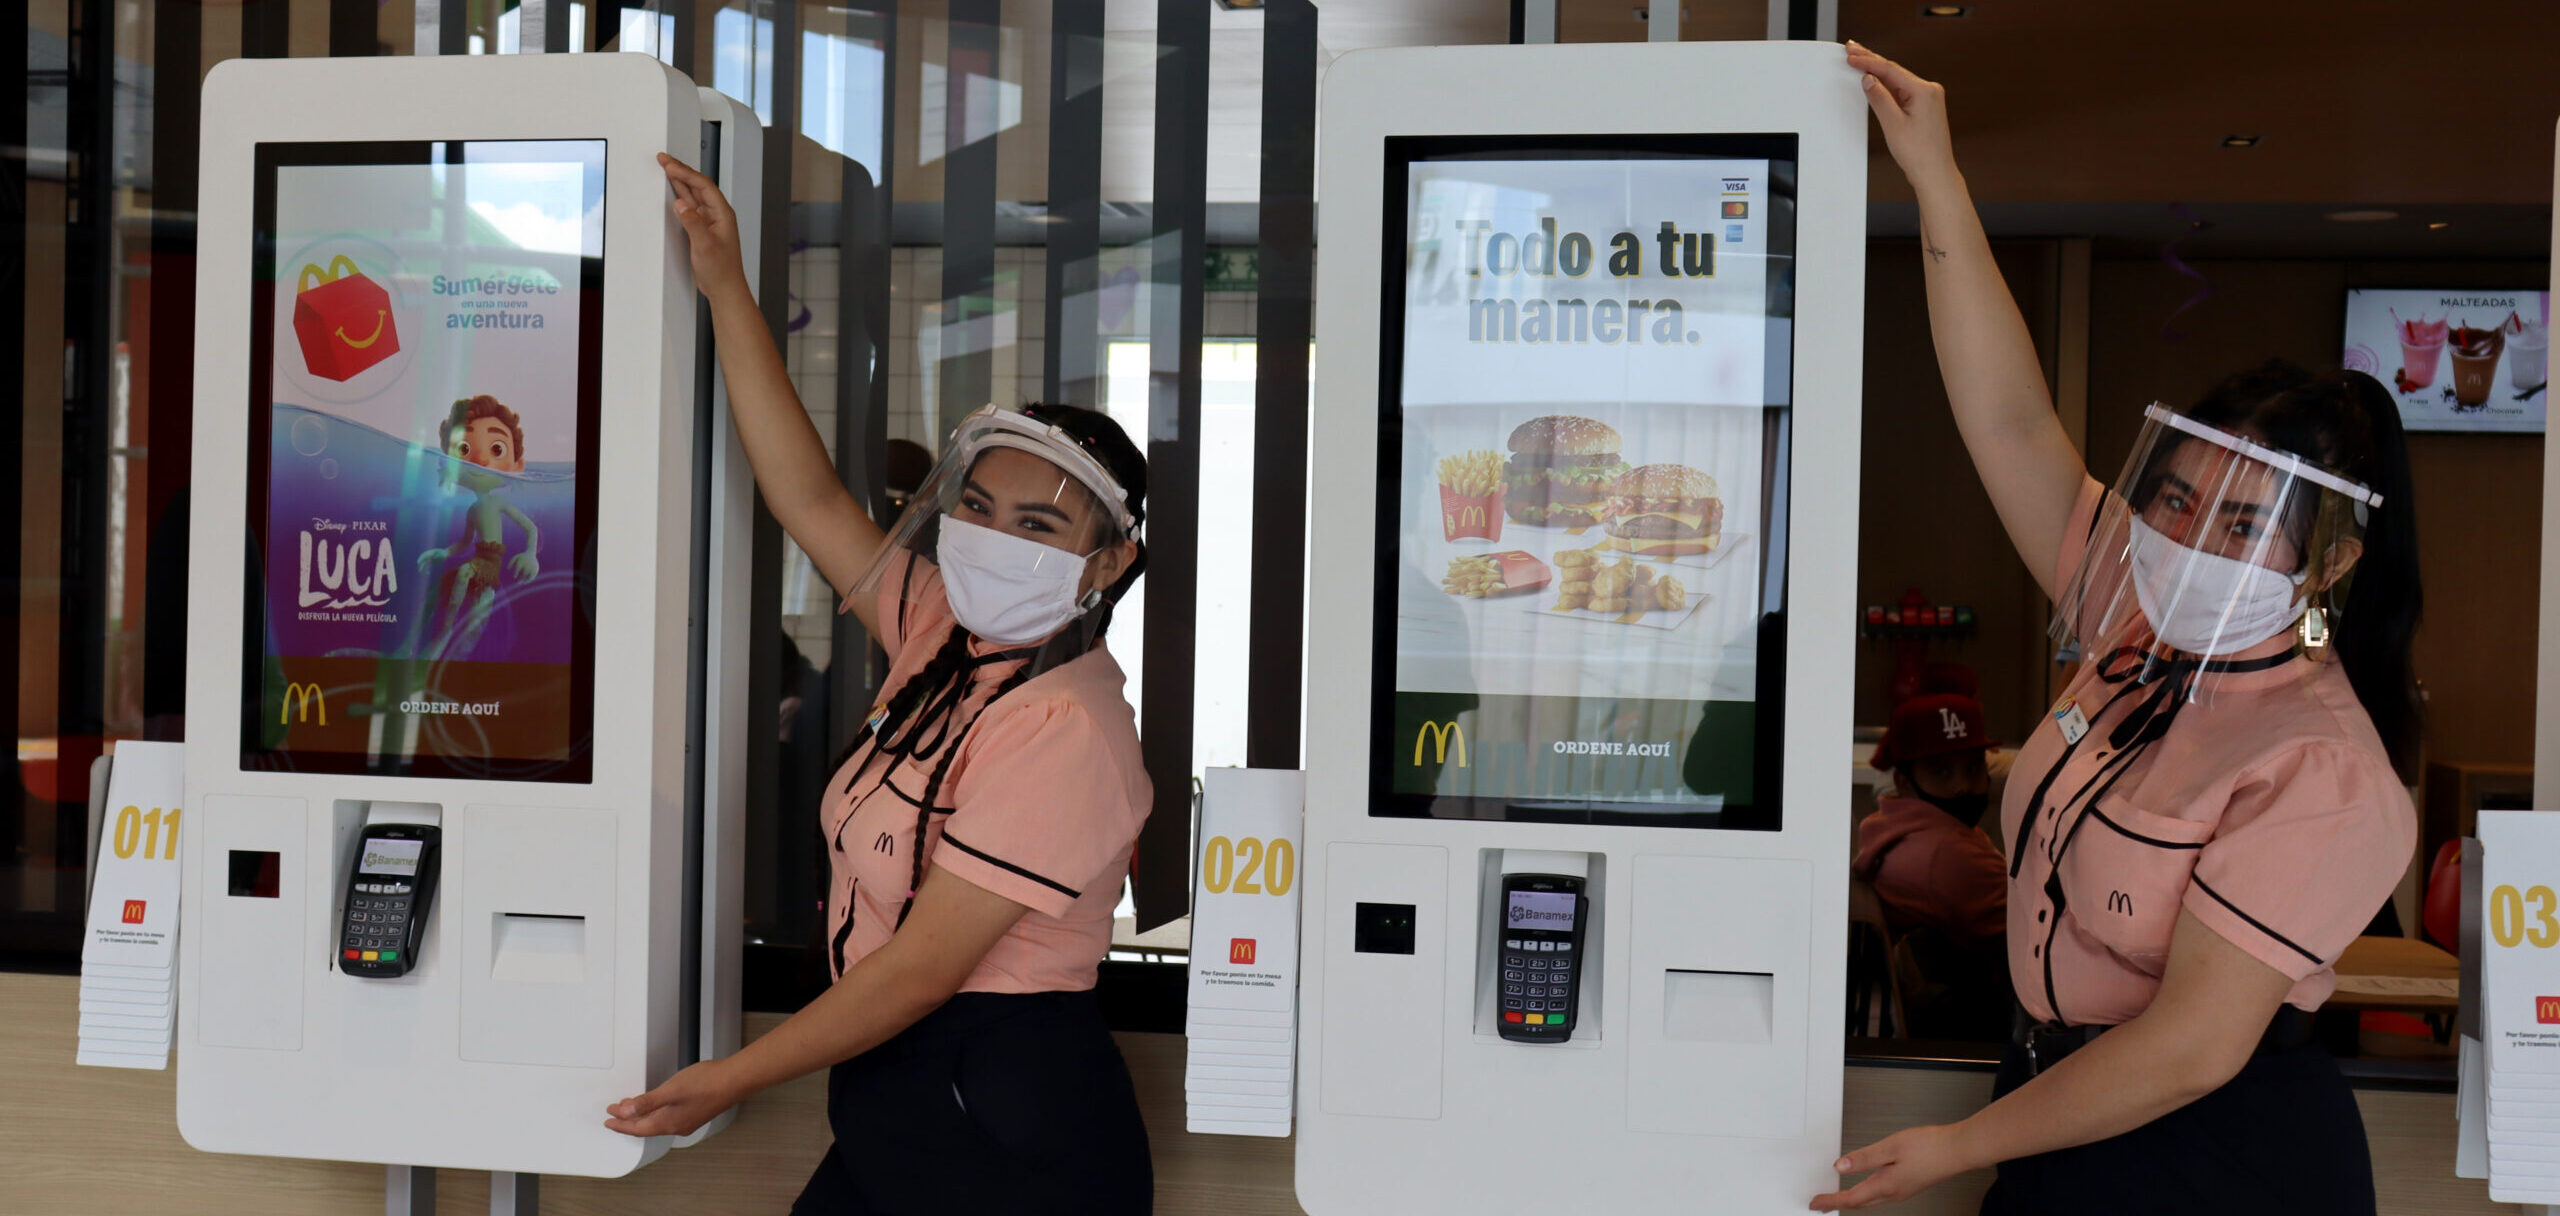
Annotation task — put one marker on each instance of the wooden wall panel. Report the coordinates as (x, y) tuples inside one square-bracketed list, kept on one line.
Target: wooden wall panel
[(1923, 518)]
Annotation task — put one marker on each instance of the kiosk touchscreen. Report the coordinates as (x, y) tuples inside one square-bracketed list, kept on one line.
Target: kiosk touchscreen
[(452, 444), (423, 410), (1583, 540)]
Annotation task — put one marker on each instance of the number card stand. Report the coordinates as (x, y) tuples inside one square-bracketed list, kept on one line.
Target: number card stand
[(1242, 1023), (2519, 1003), (128, 961)]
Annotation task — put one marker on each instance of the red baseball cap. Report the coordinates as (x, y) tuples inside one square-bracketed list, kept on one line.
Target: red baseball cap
[(1930, 726)]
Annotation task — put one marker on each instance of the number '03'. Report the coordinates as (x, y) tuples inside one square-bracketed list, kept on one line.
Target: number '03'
[(135, 830), (2507, 916), (1251, 866)]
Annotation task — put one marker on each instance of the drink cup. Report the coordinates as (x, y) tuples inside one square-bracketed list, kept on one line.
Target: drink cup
[(2475, 363), (2418, 358), (2528, 351)]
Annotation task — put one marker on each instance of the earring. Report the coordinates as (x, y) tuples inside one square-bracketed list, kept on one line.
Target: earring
[(2315, 629)]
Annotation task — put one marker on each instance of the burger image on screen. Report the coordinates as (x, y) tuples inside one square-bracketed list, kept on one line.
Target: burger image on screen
[(1560, 471), (1665, 510)]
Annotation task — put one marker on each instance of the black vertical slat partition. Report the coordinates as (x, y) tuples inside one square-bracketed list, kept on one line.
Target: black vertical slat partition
[(1280, 405), (354, 27), (773, 291), (1161, 878), (176, 114), (444, 27), (266, 28), (88, 330), (968, 215), (679, 52), (13, 366), (862, 382), (1071, 356)]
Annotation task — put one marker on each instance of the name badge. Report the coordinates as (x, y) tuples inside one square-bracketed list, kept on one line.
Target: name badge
[(2073, 723)]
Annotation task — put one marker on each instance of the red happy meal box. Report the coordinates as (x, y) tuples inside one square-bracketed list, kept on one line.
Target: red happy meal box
[(343, 320)]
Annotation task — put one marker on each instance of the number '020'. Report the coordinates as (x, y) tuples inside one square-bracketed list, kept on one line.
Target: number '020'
[(1250, 866), (2507, 916)]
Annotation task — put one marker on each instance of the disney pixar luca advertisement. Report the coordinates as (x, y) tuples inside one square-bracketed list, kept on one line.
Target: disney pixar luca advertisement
[(423, 409)]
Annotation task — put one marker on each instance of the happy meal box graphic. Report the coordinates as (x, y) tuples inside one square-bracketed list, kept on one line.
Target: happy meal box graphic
[(342, 319)]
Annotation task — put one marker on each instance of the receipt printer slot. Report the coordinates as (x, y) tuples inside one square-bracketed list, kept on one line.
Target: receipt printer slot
[(1382, 929)]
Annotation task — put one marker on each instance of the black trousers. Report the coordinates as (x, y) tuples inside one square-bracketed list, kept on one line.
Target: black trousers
[(1013, 1103), (2283, 1136)]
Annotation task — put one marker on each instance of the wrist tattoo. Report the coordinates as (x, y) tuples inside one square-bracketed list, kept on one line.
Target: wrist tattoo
[(1935, 253)]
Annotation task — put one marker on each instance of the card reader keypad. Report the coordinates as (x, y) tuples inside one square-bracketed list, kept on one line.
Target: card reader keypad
[(377, 922), (1537, 982)]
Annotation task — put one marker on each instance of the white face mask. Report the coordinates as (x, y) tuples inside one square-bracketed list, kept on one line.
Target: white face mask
[(2204, 603), (1007, 589)]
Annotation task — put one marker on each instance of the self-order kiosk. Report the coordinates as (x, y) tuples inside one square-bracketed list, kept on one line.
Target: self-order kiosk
[(466, 663), (1583, 538)]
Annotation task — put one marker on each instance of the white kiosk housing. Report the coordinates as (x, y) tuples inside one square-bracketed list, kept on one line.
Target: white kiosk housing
[(1592, 329), (520, 623)]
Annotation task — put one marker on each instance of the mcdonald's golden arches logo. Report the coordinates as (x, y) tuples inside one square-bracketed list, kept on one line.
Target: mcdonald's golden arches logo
[(2546, 1009), (1441, 736), (1473, 515), (298, 700)]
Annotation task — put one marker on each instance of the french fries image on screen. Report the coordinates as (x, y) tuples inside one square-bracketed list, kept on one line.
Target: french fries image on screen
[(1625, 588), (1492, 574), (1471, 473), (1471, 496)]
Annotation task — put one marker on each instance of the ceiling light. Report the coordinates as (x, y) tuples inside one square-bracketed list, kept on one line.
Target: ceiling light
[(2440, 224), (2367, 216), (1945, 10), (2241, 141)]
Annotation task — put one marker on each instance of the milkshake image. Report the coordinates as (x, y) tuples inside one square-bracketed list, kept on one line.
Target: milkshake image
[(2528, 348), (2475, 363), (2421, 348)]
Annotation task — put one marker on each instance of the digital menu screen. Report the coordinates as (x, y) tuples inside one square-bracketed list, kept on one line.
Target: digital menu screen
[(423, 418), (394, 857), (1582, 514), (2467, 360), (1540, 910)]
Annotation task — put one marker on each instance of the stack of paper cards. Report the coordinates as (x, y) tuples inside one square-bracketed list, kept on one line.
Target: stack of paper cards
[(128, 963), (1242, 1023), (2520, 1002)]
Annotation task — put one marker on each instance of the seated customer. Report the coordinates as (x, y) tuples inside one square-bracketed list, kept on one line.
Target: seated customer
[(1922, 849), (1942, 882)]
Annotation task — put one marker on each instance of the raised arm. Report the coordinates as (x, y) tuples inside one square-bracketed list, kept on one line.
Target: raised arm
[(2002, 406), (790, 461)]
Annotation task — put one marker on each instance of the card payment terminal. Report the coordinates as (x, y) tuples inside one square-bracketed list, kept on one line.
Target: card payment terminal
[(1542, 919), (390, 891)]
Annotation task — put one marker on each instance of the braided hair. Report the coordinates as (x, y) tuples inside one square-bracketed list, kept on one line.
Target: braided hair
[(932, 698)]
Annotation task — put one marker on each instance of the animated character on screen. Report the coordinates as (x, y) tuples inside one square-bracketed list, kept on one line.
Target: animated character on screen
[(488, 438)]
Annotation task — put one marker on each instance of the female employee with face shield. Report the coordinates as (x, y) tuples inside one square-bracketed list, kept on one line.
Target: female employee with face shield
[(981, 826), (2210, 812)]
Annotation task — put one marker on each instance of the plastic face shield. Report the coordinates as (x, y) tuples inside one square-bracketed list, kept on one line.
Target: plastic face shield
[(2210, 544), (1008, 472)]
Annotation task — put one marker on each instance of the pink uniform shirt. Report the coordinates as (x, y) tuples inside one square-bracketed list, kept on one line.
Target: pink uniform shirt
[(1042, 806), (1931, 871), (2269, 810)]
